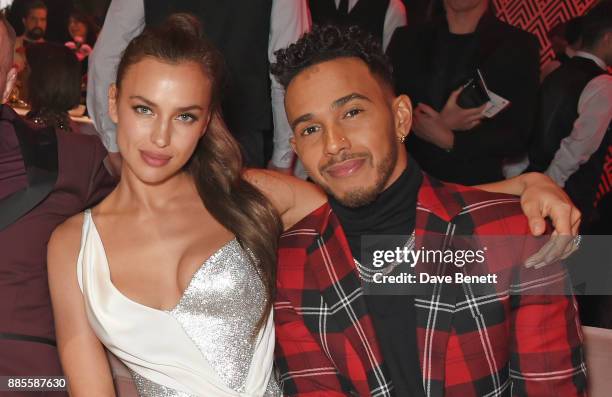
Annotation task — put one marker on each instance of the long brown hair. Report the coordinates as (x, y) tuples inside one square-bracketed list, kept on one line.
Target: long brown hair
[(216, 164)]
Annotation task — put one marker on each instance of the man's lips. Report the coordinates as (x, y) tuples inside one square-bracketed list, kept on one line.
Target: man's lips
[(154, 159), (345, 168)]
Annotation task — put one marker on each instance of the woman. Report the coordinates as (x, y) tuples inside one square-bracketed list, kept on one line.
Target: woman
[(148, 293), (52, 98), (184, 325)]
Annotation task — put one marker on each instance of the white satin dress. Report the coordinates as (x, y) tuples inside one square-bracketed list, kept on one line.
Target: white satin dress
[(205, 346)]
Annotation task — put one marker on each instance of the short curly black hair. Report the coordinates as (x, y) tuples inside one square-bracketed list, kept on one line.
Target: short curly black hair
[(328, 42)]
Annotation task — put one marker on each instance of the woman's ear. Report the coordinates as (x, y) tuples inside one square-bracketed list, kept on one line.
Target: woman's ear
[(402, 110), (112, 102)]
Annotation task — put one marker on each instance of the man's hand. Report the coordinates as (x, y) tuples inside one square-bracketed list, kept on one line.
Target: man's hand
[(429, 126), (458, 119)]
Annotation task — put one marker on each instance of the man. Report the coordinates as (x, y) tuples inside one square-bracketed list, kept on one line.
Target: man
[(334, 340), (46, 176), (575, 113), (380, 18), (35, 26), (246, 31), (431, 63), (565, 39)]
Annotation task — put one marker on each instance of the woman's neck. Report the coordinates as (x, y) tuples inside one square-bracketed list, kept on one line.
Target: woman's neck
[(134, 194)]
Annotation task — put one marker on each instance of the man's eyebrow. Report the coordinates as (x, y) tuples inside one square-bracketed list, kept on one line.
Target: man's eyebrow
[(301, 119), (350, 97), (336, 104)]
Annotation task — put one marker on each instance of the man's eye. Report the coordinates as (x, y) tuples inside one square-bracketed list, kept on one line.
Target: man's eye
[(143, 109), (352, 113), (309, 130), (187, 117)]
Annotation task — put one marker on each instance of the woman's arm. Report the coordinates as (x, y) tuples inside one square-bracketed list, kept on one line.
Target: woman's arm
[(292, 197), (540, 198), (82, 355)]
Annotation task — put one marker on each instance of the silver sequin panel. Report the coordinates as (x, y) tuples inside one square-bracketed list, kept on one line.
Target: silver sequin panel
[(220, 310), (146, 388)]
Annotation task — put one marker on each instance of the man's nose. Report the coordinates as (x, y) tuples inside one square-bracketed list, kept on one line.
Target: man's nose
[(336, 140)]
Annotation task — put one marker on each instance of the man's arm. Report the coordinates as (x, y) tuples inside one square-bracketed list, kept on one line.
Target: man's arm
[(594, 116), (124, 21), (289, 21), (394, 18)]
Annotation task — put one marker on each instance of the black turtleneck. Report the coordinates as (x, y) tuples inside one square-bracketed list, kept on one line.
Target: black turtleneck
[(393, 316)]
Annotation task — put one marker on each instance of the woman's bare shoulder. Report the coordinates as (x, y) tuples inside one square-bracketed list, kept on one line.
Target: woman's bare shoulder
[(64, 243)]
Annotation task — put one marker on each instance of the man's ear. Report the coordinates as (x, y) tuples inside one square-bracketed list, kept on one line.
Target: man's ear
[(402, 110), (11, 79), (112, 102)]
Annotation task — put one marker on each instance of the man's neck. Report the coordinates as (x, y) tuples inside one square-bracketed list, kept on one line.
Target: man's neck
[(465, 22), (594, 55)]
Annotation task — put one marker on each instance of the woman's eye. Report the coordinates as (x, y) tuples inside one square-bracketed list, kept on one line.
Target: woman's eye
[(309, 130), (352, 113), (140, 109), (186, 117)]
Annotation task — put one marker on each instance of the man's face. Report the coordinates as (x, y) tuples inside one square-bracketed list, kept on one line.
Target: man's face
[(346, 128), (462, 5), (35, 23)]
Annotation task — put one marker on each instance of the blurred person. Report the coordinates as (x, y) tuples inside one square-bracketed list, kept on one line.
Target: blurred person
[(84, 33), (54, 84), (335, 339), (35, 27), (565, 40), (432, 63), (380, 18), (575, 112), (247, 32), (46, 176)]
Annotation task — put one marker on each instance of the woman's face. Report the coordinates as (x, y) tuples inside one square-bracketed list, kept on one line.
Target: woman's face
[(161, 112), (77, 28)]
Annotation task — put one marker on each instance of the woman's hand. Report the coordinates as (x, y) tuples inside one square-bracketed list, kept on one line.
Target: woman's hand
[(542, 198)]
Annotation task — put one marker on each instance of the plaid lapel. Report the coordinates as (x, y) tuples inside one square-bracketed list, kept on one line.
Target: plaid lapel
[(437, 206), (348, 328)]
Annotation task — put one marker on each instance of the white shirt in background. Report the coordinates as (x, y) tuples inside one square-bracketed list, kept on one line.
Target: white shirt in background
[(594, 117), (125, 20)]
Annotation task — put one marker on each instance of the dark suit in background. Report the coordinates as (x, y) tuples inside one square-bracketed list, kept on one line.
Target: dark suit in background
[(429, 63), (240, 29), (61, 174)]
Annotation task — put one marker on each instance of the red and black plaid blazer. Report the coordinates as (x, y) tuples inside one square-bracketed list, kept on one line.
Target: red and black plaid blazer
[(469, 346)]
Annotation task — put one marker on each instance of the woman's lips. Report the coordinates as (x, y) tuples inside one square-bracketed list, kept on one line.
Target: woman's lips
[(154, 159), (345, 168)]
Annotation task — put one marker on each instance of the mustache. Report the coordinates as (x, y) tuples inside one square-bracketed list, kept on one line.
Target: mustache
[(344, 156)]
